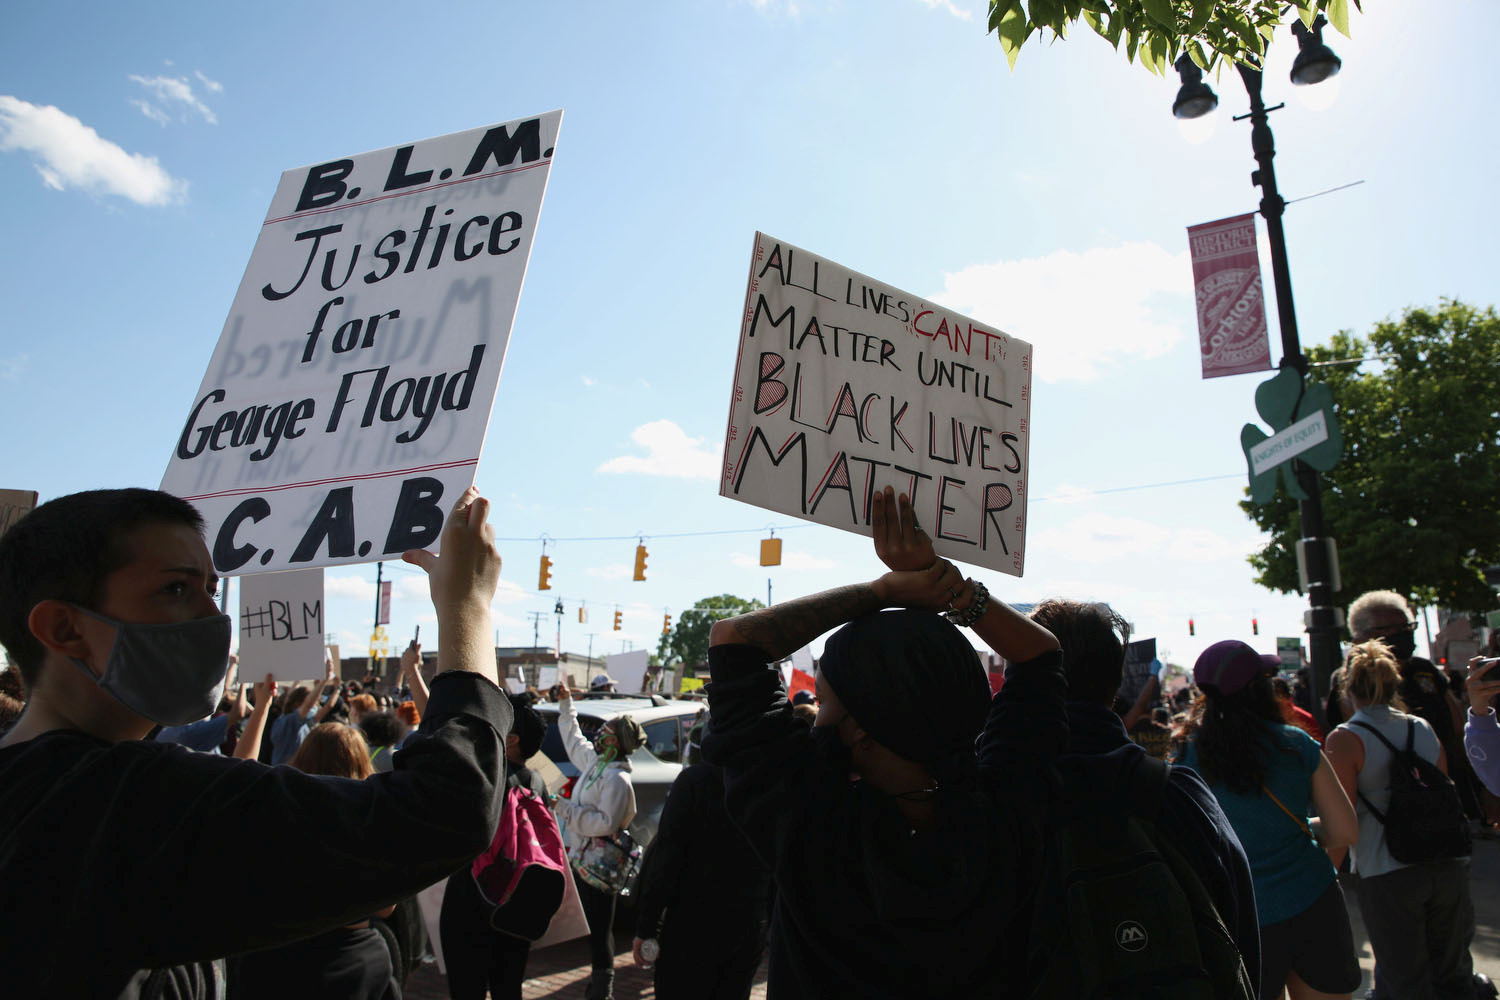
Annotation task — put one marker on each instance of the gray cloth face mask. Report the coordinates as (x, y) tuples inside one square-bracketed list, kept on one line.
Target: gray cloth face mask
[(172, 673)]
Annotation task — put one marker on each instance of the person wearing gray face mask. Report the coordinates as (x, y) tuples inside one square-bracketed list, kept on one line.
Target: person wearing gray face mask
[(107, 605)]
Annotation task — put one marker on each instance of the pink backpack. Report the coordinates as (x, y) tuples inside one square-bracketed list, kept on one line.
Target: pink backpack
[(521, 875)]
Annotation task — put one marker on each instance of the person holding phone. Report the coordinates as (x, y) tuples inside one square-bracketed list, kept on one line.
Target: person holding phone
[(1481, 731)]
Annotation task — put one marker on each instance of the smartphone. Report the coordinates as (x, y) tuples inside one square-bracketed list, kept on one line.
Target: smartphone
[(1486, 663), (416, 634)]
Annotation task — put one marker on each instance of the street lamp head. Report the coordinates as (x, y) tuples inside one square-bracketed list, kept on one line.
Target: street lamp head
[(1194, 98), (1315, 61)]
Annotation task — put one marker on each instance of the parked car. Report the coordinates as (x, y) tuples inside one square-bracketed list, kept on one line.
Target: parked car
[(654, 766)]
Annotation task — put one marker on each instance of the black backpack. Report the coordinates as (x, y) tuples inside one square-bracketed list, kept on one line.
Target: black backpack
[(1118, 911), (1425, 820)]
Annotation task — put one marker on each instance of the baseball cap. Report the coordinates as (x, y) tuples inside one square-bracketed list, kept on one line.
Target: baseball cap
[(1227, 666), (601, 682)]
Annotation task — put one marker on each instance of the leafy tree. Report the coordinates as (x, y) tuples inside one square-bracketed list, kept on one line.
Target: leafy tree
[(688, 640), (1161, 30), (1414, 501)]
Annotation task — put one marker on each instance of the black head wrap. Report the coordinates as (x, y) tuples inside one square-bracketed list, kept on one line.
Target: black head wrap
[(912, 681)]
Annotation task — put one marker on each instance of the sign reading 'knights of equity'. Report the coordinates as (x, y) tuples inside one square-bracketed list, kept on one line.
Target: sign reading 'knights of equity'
[(845, 385), (345, 406)]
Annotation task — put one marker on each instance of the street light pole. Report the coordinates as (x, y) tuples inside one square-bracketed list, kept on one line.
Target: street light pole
[(1322, 619)]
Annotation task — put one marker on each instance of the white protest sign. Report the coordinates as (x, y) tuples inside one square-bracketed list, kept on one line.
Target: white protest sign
[(281, 626), (844, 386), (345, 406), (14, 505), (1299, 437), (628, 670)]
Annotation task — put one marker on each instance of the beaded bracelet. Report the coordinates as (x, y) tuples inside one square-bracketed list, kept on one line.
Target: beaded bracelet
[(975, 611)]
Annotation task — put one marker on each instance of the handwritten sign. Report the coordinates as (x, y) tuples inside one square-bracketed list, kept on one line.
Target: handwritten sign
[(844, 385), (282, 625), (345, 406), (14, 505)]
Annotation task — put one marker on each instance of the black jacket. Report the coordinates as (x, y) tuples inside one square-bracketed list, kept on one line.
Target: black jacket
[(122, 857), (867, 907)]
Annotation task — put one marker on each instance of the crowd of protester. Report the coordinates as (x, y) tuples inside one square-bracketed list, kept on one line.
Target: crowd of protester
[(901, 831)]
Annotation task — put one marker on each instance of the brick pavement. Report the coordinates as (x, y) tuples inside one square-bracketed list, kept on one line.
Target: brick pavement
[(560, 973)]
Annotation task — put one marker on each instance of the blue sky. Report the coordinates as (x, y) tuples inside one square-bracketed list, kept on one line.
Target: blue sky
[(140, 146)]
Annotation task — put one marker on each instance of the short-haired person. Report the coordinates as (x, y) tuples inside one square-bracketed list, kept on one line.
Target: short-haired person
[(1419, 917), (1266, 775), (913, 880), (113, 851), (1093, 639)]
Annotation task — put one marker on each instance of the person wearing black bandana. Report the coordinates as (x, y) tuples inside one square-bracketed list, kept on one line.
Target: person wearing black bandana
[(903, 853)]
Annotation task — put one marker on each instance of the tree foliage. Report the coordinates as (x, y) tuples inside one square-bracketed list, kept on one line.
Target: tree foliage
[(1414, 501), (688, 640), (1158, 31)]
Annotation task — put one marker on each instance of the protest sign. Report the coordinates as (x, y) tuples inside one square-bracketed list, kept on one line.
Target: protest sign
[(14, 505), (844, 386), (1231, 301), (1289, 649), (628, 670), (346, 403), (281, 626)]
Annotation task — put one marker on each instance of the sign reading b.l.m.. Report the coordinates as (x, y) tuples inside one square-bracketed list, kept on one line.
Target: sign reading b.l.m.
[(345, 406)]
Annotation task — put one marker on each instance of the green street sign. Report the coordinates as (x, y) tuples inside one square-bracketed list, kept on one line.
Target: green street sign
[(1303, 427)]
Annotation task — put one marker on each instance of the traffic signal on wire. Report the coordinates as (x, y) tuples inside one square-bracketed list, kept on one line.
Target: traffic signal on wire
[(1191, 629), (544, 575), (617, 620), (583, 615), (1255, 626), (666, 624), (640, 563)]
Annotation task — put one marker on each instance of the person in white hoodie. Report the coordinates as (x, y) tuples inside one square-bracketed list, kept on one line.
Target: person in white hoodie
[(601, 805)]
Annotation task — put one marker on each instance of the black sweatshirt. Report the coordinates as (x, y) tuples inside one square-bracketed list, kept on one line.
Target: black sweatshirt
[(115, 858), (699, 868), (867, 907)]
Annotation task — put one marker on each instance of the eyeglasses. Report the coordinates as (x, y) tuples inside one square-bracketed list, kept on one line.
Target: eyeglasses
[(1391, 630)]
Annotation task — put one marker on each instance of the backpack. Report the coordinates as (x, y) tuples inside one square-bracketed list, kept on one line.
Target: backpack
[(1118, 911), (520, 876), (1425, 820)]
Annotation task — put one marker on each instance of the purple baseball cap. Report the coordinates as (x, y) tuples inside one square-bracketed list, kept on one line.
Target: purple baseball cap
[(1227, 666)]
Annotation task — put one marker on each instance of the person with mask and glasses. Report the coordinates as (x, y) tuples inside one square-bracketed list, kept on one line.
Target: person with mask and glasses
[(113, 851)]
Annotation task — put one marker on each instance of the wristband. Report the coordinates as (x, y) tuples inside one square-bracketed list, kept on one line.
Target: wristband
[(976, 609)]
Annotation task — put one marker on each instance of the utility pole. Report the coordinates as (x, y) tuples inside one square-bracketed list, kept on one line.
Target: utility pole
[(534, 669)]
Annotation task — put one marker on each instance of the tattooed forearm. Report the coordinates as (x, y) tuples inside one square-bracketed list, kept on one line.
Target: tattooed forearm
[(787, 627)]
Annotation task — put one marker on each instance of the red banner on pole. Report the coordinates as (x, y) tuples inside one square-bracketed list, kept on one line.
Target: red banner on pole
[(1231, 303), (385, 603)]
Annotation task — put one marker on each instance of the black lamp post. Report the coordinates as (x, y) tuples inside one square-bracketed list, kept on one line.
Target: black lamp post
[(1314, 64)]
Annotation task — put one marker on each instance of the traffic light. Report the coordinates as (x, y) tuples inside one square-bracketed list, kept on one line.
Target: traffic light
[(1255, 626), (640, 563), (583, 615), (1191, 630), (770, 551), (666, 624), (617, 619), (544, 576)]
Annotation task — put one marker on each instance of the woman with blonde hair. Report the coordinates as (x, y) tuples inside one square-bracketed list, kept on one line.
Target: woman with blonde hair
[(352, 962), (1419, 917)]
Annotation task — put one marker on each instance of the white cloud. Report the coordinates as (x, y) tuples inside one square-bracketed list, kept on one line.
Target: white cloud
[(669, 452), (68, 153), (510, 592), (176, 92), (348, 586), (1202, 546), (950, 7), (588, 380), (1083, 311), (12, 367), (1100, 537), (212, 86), (614, 571), (789, 560), (151, 111), (1068, 493)]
